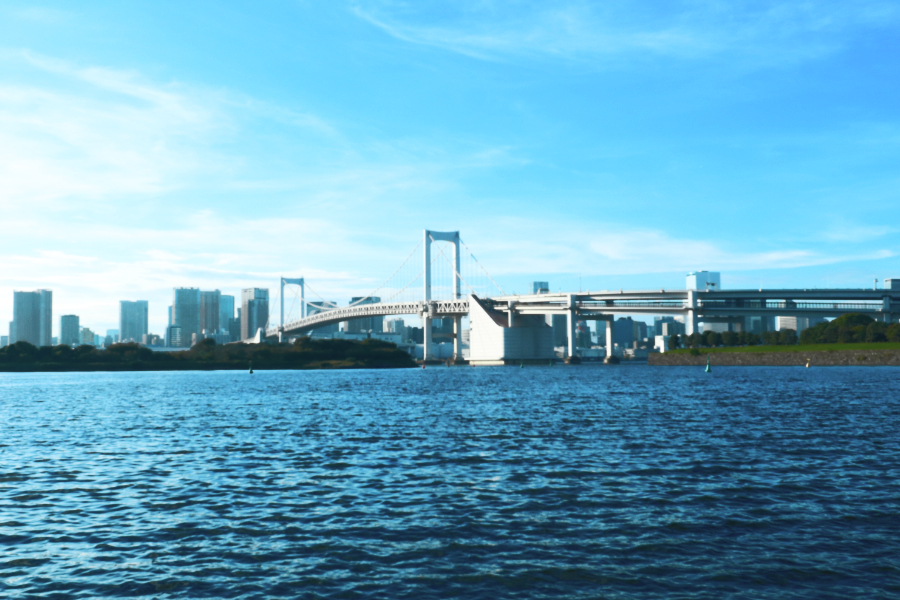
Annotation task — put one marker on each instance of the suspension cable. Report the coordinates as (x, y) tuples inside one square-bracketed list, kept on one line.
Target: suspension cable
[(451, 266), (482, 268)]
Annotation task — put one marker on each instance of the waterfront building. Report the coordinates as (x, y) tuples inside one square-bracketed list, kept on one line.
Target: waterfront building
[(254, 311), (667, 326), (582, 334), (4, 341), (68, 330), (133, 320), (235, 329), (209, 311), (226, 313), (704, 280), (623, 332), (787, 323), (395, 326), (32, 318), (640, 331), (560, 324), (186, 313), (174, 336), (365, 323)]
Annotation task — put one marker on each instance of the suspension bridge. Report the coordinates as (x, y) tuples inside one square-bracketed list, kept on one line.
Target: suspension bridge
[(451, 284)]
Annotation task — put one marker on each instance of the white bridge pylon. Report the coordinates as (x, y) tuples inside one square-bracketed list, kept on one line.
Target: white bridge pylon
[(429, 238)]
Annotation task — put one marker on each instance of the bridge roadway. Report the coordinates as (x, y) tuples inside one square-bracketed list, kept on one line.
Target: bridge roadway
[(694, 305)]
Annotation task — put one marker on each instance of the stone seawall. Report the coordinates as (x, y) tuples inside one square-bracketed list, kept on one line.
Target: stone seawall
[(826, 358)]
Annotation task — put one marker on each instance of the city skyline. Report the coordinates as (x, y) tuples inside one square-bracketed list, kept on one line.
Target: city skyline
[(590, 147)]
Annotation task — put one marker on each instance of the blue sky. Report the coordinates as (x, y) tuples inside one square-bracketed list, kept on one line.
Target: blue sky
[(613, 144)]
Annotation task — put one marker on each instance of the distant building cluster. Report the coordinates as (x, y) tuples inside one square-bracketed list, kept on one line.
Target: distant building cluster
[(196, 314)]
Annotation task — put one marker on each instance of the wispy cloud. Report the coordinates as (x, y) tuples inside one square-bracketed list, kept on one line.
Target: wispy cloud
[(578, 30), (521, 246)]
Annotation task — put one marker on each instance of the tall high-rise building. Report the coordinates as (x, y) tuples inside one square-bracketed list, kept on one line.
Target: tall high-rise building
[(209, 311), (226, 313), (366, 323), (173, 337), (235, 329), (254, 311), (68, 330), (560, 324), (4, 341), (133, 320), (32, 318), (186, 313), (623, 332), (87, 336), (540, 287), (704, 280)]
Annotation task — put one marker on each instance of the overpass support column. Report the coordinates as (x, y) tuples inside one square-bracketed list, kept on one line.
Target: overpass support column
[(609, 335), (570, 326), (690, 317)]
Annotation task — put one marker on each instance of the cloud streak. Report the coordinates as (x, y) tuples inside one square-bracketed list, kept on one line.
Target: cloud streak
[(605, 33)]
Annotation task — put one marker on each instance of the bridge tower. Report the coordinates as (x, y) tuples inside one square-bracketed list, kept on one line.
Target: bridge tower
[(428, 238), (302, 284)]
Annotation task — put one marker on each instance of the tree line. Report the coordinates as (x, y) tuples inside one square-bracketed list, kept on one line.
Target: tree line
[(305, 353), (851, 328)]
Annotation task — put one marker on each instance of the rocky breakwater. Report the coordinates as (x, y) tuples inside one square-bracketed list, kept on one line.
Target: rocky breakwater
[(818, 358)]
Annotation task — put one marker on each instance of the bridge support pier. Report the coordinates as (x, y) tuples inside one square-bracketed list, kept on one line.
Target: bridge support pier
[(570, 327), (426, 338), (457, 338)]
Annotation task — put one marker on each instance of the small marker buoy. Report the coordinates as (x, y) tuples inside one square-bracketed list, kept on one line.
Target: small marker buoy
[(251, 368), (708, 369), (807, 363), (423, 366)]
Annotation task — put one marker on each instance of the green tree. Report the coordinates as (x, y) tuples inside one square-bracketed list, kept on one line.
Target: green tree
[(730, 338), (893, 332), (674, 341), (787, 337), (876, 331)]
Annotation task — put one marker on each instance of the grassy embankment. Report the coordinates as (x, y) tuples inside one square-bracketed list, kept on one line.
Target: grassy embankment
[(796, 348)]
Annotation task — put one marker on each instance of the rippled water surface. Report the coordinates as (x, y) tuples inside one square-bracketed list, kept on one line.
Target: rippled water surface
[(562, 482)]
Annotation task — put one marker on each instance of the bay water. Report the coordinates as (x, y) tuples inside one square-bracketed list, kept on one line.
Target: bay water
[(545, 482)]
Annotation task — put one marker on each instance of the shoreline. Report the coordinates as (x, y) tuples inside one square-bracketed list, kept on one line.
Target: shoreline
[(817, 358)]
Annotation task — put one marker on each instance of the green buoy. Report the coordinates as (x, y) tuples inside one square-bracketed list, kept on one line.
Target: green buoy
[(708, 369), (251, 368)]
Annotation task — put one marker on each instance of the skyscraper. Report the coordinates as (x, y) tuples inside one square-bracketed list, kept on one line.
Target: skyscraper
[(133, 320), (68, 330), (254, 311), (32, 318), (540, 287), (209, 311), (623, 332), (226, 313), (704, 280), (186, 313)]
